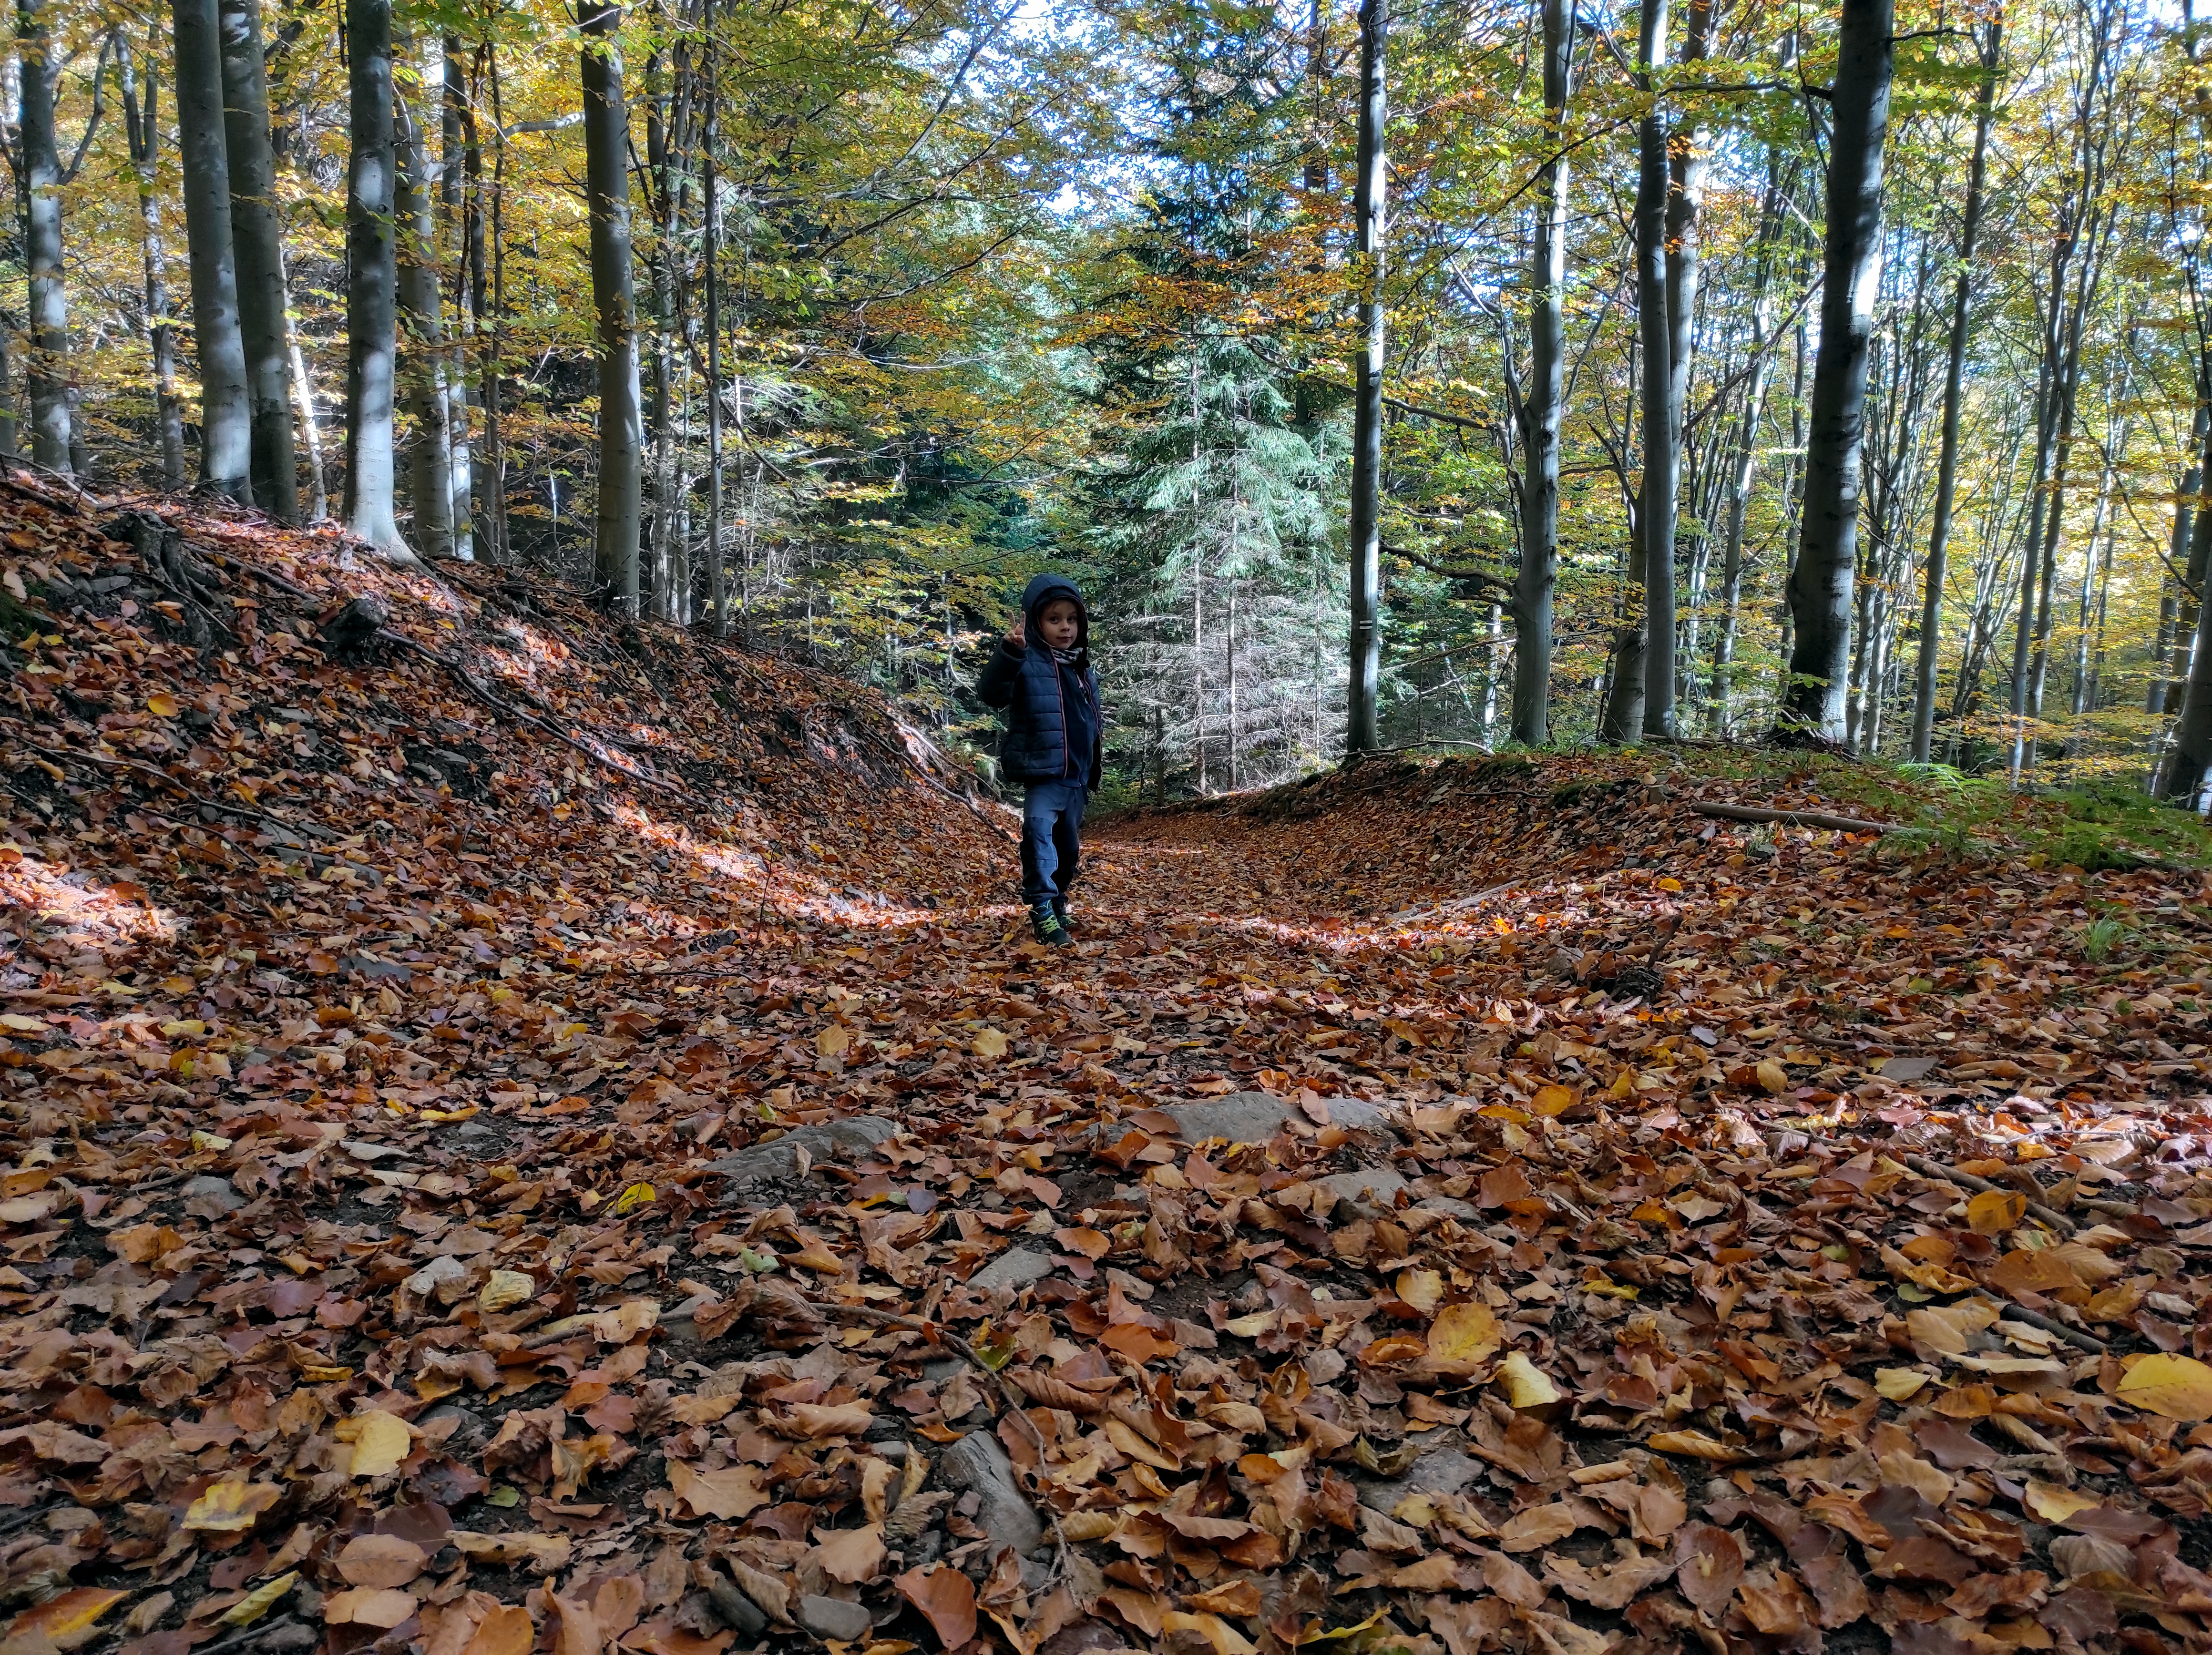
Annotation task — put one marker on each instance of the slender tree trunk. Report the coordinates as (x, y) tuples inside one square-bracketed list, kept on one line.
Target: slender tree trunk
[(46, 367), (226, 416), (258, 239), (452, 235), (372, 284), (1650, 680), (142, 132), (1369, 214), (309, 423), (492, 308), (1540, 423), (432, 480), (1827, 556), (1946, 469), (606, 141), (717, 588)]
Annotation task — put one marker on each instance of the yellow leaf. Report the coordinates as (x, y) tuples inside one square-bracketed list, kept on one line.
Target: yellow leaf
[(505, 1289), (66, 1621), (1900, 1384), (1224, 1638), (1995, 1212), (832, 1041), (229, 1507), (259, 1602), (1698, 1446), (1553, 1101), (2176, 1387), (989, 1042), (381, 1441), (2052, 1504), (638, 1195), (1462, 1337), (16, 1023), (163, 705), (1421, 1289), (1773, 1076), (1525, 1385), (1670, 883)]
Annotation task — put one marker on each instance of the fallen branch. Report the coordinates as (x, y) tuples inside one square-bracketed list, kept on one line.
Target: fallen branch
[(169, 781), (1792, 818), (1934, 1169)]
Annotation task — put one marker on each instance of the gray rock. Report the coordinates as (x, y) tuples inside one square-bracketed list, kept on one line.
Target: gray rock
[(1442, 1470), (977, 1462), (1255, 1116), (1451, 1207), (834, 1618), (1014, 1268), (469, 1433), (207, 1195), (779, 1157), (1379, 1185)]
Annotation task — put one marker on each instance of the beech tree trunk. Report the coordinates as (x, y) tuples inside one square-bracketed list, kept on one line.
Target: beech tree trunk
[(431, 479), (452, 221), (1538, 577), (226, 415), (46, 370), (257, 239), (1946, 470), (1369, 239), (142, 131), (717, 590), (372, 283), (1820, 586), (621, 438), (1662, 423)]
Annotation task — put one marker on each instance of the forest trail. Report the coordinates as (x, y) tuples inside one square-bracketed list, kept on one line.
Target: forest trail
[(530, 1134)]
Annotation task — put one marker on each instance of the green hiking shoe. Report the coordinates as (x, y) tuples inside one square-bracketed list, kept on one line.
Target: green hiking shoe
[(1046, 924), (1060, 913)]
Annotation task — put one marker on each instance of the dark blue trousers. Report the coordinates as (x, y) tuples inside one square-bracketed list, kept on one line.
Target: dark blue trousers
[(1052, 839)]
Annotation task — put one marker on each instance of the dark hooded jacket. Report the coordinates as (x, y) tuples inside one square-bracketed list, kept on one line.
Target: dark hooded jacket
[(1053, 729)]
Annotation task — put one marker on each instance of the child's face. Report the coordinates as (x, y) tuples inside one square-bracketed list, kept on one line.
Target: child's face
[(1059, 623)]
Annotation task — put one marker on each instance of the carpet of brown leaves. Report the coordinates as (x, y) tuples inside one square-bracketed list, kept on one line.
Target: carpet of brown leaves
[(530, 1135)]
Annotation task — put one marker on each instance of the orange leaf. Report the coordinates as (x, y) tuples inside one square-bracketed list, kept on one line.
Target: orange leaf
[(946, 1599)]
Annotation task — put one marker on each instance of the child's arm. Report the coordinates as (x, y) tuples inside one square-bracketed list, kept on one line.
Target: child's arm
[(1000, 674)]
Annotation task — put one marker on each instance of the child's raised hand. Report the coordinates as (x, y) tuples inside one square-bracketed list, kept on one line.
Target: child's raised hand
[(1017, 635)]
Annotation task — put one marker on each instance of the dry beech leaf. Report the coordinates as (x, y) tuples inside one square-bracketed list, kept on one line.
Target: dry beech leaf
[(850, 1554), (368, 1606), (2175, 1387), (506, 1630), (1462, 1338), (381, 1441), (946, 1599), (379, 1560)]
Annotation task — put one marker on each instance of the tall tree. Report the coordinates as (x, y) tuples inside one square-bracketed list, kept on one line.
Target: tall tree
[(1370, 238), (453, 220), (142, 129), (1814, 699), (1991, 44), (47, 367), (372, 283), (257, 236), (710, 257), (226, 413), (431, 477), (1539, 411), (622, 435)]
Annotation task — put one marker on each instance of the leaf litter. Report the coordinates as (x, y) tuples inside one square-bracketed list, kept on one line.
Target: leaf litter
[(527, 1134)]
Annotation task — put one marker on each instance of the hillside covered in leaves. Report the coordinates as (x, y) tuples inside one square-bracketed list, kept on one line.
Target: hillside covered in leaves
[(526, 1132)]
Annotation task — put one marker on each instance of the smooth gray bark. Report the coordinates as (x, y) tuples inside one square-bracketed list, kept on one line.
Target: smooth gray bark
[(226, 415), (717, 588), (452, 232), (1820, 586), (46, 370), (1370, 238), (621, 438), (1946, 470), (257, 241), (1538, 577), (142, 131), (431, 480), (372, 283)]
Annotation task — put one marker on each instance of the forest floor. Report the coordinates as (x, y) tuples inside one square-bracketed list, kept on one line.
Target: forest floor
[(530, 1134)]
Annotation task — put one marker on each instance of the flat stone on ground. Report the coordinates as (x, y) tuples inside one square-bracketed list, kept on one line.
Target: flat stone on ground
[(1380, 1185), (978, 1462), (822, 1141), (1255, 1116), (1442, 1470), (1014, 1268), (833, 1617)]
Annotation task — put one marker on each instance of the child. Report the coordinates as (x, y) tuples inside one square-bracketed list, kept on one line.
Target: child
[(1041, 675)]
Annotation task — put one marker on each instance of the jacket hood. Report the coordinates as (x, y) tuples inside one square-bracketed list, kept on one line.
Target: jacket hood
[(1042, 590)]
